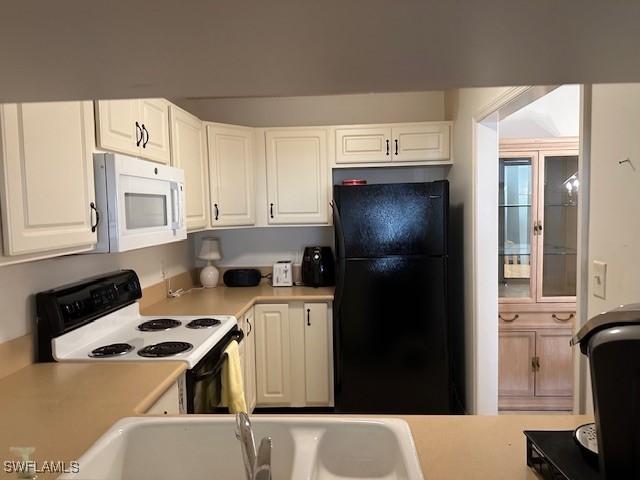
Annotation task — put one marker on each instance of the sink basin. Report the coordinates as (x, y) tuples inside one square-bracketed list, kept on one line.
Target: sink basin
[(204, 447)]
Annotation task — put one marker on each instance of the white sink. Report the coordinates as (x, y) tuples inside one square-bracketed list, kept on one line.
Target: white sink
[(205, 448)]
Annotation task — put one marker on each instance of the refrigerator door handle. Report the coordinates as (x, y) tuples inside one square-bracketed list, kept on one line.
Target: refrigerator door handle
[(337, 298)]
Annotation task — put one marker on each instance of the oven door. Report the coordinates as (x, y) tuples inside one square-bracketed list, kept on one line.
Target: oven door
[(204, 381), (146, 204)]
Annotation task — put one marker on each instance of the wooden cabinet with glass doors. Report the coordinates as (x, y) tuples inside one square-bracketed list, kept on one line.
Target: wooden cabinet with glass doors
[(537, 255)]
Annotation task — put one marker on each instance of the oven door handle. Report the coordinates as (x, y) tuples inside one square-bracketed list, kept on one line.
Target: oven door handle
[(237, 336)]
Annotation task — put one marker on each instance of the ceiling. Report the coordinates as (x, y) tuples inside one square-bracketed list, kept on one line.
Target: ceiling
[(68, 49)]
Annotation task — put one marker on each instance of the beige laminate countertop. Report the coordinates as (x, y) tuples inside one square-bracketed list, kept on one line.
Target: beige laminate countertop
[(235, 300), (62, 408)]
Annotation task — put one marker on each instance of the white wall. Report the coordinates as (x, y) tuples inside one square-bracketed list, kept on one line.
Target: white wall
[(557, 114), (461, 106), (18, 283), (262, 247), (614, 220), (320, 110)]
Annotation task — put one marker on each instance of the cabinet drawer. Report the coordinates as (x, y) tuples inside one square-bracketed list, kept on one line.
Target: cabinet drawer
[(535, 319), (363, 145)]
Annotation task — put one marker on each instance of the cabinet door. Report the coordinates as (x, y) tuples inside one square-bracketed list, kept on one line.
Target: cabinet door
[(119, 128), (47, 184), (231, 175), (421, 142), (516, 376), (558, 226), (297, 176), (273, 367), (154, 118), (250, 361), (187, 153), (555, 374), (363, 145), (317, 354)]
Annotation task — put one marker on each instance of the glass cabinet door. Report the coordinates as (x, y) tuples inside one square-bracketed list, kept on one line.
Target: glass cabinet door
[(558, 226), (516, 251)]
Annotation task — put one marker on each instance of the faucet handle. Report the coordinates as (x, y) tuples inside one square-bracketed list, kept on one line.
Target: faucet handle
[(244, 434), (262, 470)]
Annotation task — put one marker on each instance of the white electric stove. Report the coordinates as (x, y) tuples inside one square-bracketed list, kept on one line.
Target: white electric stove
[(98, 320), (125, 335)]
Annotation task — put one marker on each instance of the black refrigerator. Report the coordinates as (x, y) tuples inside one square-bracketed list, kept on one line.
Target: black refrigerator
[(391, 339)]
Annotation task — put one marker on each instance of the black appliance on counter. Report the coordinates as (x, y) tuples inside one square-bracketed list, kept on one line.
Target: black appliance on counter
[(242, 277), (391, 322), (318, 267)]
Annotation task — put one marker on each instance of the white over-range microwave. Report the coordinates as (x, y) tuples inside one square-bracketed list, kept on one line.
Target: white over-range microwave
[(139, 203)]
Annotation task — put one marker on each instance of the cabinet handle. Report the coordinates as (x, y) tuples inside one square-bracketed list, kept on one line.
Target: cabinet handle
[(535, 363), (308, 317), (138, 129), (215, 205), (396, 140), (508, 320), (144, 129), (250, 328), (560, 319), (271, 210), (387, 146), (94, 226)]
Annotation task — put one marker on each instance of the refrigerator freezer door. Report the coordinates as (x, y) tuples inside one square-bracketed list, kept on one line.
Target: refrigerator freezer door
[(392, 219), (391, 338)]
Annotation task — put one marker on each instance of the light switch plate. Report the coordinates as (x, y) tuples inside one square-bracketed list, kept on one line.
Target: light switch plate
[(599, 276)]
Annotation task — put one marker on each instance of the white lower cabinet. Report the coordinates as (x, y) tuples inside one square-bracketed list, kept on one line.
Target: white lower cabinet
[(293, 355), (172, 401), (47, 176), (248, 348)]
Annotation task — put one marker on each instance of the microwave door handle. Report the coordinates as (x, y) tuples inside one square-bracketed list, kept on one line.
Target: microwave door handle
[(176, 206)]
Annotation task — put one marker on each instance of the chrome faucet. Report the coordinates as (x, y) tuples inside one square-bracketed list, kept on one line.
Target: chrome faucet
[(257, 465)]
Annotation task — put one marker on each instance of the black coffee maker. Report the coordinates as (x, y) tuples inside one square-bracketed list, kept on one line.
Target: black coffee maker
[(611, 340), (318, 267)]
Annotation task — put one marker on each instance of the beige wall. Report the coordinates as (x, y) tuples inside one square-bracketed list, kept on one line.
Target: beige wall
[(614, 220), (320, 110), (18, 283), (461, 106)]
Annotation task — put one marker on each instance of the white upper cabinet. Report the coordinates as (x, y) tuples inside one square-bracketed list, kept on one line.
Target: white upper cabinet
[(297, 172), (47, 176), (154, 115), (231, 175), (392, 143), (420, 142), (138, 127), (363, 145), (187, 152)]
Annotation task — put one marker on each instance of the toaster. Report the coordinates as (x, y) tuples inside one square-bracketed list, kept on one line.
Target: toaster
[(282, 274)]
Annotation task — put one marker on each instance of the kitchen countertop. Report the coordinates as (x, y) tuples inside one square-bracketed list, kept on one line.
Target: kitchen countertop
[(235, 300), (62, 408)]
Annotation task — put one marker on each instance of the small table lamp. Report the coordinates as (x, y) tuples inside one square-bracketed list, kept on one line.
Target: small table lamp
[(209, 251)]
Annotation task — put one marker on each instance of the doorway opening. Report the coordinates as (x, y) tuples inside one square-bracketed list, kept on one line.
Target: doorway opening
[(526, 234)]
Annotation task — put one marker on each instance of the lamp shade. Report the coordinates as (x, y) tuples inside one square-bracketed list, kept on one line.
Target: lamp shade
[(210, 249)]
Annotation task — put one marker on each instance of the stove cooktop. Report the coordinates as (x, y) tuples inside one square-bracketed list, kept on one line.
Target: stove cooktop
[(197, 335)]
